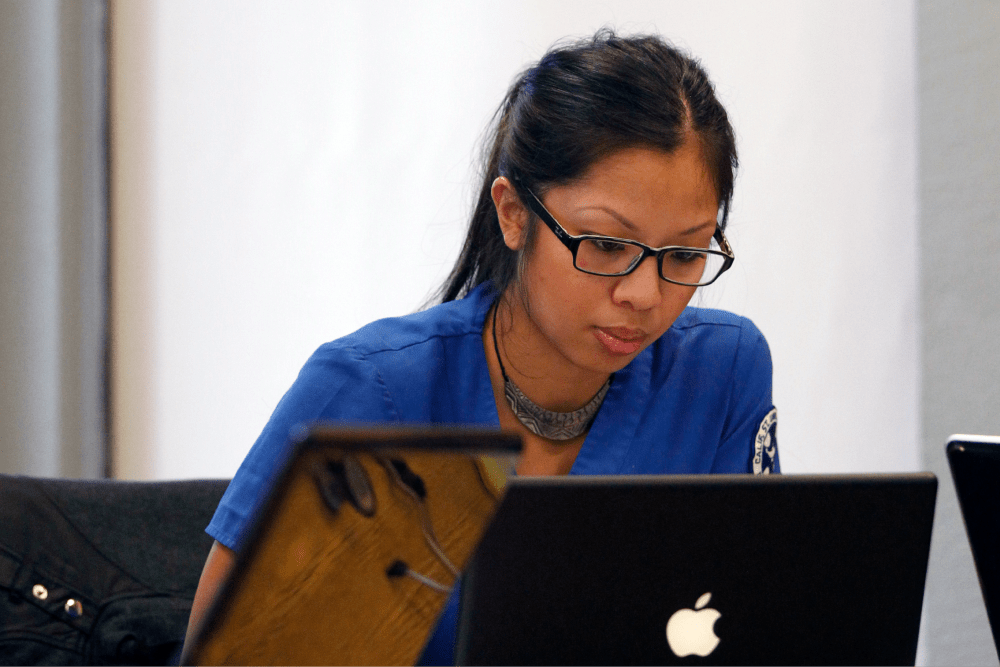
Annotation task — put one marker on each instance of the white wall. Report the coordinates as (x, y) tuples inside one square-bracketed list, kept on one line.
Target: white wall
[(286, 172)]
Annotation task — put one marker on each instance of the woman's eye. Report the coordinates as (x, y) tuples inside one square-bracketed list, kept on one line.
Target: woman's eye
[(607, 246), (687, 256)]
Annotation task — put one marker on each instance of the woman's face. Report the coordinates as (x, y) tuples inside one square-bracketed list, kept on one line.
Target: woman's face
[(599, 324)]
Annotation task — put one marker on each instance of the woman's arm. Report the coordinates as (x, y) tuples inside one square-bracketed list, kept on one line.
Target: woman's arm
[(217, 568)]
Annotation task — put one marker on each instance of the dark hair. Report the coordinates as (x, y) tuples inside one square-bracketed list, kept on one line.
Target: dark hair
[(580, 103)]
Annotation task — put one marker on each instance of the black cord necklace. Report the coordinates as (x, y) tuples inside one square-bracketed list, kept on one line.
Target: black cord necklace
[(546, 423)]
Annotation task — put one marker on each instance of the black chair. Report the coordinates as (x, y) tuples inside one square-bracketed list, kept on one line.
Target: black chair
[(99, 572)]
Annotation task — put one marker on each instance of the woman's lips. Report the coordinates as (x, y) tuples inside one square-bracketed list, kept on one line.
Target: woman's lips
[(620, 340)]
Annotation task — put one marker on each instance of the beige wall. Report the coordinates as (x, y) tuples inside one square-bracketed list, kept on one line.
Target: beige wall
[(133, 338)]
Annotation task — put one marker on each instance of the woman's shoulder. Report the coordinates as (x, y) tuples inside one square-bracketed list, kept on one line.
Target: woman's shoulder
[(451, 320), (408, 368), (707, 342), (712, 326), (694, 316)]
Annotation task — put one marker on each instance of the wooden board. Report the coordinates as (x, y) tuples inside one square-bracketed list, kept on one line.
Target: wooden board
[(313, 588)]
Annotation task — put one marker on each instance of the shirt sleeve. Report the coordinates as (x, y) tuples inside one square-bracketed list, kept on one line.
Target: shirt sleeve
[(749, 439), (337, 384)]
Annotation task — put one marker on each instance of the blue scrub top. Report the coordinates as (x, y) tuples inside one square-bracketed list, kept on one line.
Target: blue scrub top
[(698, 400)]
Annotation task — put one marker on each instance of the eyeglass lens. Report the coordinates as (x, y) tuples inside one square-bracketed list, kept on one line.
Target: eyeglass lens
[(686, 265)]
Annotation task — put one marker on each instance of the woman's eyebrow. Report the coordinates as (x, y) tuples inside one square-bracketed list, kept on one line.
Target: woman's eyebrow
[(629, 225), (698, 228), (622, 220)]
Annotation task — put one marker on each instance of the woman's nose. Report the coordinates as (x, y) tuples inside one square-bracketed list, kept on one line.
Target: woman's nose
[(641, 288)]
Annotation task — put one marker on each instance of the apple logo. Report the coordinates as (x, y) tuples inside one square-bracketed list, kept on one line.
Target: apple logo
[(690, 631)]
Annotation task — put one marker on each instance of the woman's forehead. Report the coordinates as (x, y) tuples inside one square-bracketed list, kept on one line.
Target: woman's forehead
[(634, 184)]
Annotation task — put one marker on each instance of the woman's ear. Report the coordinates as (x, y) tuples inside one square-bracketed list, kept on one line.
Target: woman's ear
[(511, 212)]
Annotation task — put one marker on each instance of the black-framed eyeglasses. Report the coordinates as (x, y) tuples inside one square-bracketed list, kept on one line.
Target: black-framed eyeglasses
[(610, 256)]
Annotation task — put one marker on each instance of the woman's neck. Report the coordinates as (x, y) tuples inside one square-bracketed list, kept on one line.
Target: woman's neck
[(532, 363)]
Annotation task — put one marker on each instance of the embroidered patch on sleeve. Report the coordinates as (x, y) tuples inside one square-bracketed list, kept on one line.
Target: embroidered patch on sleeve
[(765, 446)]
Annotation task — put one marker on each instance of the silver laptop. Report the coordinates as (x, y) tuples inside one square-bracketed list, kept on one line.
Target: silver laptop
[(700, 570)]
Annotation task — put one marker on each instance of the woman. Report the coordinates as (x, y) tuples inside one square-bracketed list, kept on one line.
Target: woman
[(603, 207)]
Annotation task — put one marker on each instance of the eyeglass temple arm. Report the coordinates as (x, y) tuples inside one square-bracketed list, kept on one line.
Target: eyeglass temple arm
[(723, 242), (536, 205)]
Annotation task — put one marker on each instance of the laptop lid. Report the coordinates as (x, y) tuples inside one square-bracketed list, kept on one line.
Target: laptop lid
[(354, 552), (975, 469), (700, 570)]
